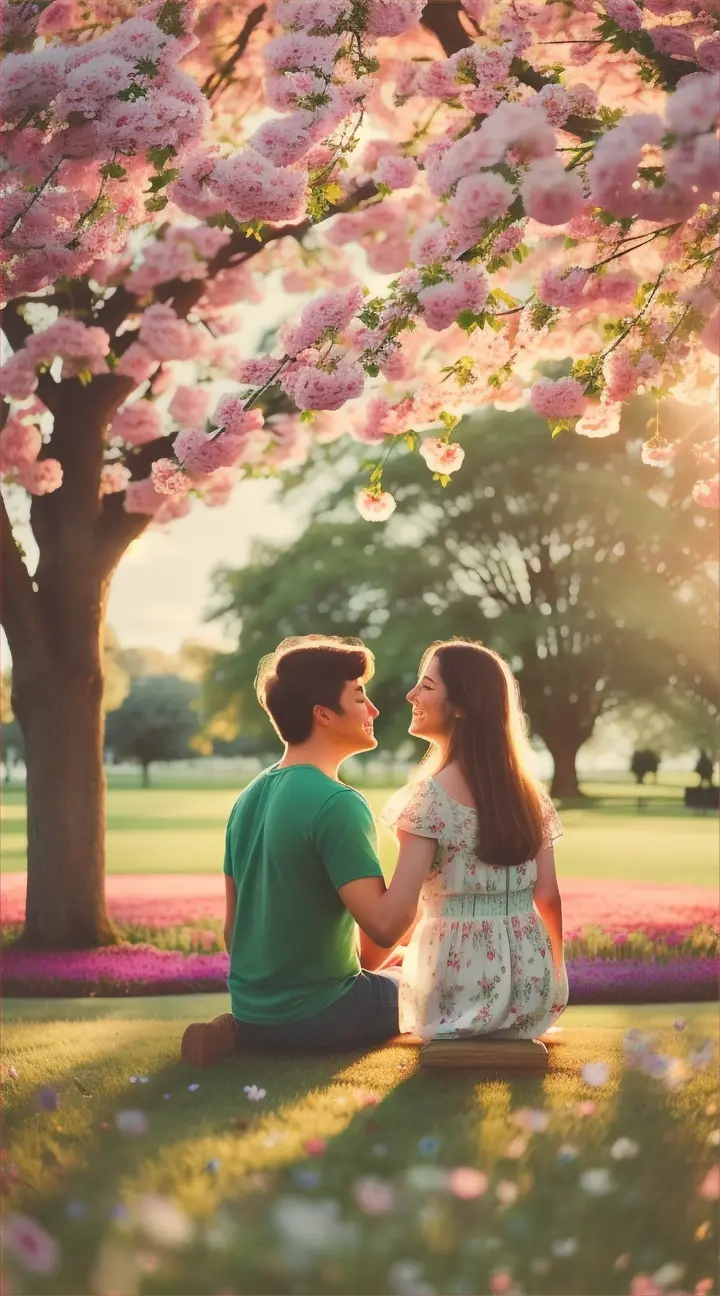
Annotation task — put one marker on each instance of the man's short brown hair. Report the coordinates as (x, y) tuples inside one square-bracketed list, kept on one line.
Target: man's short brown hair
[(305, 672)]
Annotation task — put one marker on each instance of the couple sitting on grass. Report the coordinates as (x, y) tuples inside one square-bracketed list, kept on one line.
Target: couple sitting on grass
[(312, 929)]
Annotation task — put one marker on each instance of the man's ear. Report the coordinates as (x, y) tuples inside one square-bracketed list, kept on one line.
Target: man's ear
[(321, 715)]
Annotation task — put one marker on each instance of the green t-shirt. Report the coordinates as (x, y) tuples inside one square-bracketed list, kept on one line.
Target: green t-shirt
[(294, 836)]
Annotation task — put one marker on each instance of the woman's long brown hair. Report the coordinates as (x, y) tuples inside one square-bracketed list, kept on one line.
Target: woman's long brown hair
[(489, 743)]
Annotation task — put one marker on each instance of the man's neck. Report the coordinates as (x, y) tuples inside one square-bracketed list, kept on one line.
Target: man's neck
[(313, 752)]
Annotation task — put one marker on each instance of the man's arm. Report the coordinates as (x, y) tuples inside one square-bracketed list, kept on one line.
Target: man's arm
[(230, 905)]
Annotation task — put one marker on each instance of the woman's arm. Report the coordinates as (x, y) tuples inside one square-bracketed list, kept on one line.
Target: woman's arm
[(548, 902), (386, 913), (230, 906)]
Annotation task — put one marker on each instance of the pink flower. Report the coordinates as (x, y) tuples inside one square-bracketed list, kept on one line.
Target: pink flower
[(252, 188), (551, 194), (59, 16), (317, 389), (479, 198), (562, 287), (73, 340), (708, 53), (41, 477), (166, 336), (113, 478), (189, 406), (501, 1281), (137, 423), (673, 41), (440, 456), (18, 379), (556, 104), (392, 17), (286, 139), (599, 420), (168, 479), (20, 443), (707, 493), (138, 362), (558, 399), (141, 497), (257, 371), (396, 172), (297, 52), (658, 453), (330, 313), (467, 1183), (29, 1244), (385, 419), (375, 506), (625, 13), (201, 454), (234, 418), (443, 302), (694, 106)]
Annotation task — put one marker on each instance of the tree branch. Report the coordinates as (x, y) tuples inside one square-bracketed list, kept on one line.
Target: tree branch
[(225, 71)]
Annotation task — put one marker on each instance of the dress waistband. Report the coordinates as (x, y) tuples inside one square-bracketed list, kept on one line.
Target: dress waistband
[(483, 904)]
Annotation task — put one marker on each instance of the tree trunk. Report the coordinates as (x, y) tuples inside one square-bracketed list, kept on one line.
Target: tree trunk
[(146, 774), (564, 750), (63, 727)]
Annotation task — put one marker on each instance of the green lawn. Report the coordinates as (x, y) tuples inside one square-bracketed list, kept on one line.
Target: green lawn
[(221, 1196), (180, 829)]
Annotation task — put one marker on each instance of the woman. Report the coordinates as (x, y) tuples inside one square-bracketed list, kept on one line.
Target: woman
[(486, 955)]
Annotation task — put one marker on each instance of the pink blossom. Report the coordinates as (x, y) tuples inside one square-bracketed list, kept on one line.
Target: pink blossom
[(558, 398), (141, 497), (29, 1244), (138, 362), (113, 478), (600, 420), (168, 479), (252, 188), (257, 371), (556, 104), (189, 406), (297, 52), (231, 415), (59, 16), (72, 340), (625, 13), (443, 302), (385, 419), (201, 453), (330, 313), (317, 389), (18, 379), (479, 198), (674, 41), (695, 105), (623, 375), (138, 423), (708, 53), (375, 506), (707, 493), (41, 477), (562, 287), (166, 336), (397, 172), (285, 140), (467, 1183), (20, 443), (393, 17), (310, 15), (657, 452), (441, 456), (508, 239), (551, 194), (709, 1189)]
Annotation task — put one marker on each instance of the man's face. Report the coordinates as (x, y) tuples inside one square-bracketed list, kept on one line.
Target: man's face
[(350, 729)]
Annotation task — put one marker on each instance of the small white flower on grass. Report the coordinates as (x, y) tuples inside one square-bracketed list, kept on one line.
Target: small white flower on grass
[(507, 1192), (162, 1220), (623, 1149), (668, 1275), (131, 1122), (531, 1119), (254, 1093), (596, 1073), (374, 1196), (563, 1248), (597, 1182), (193, 1088)]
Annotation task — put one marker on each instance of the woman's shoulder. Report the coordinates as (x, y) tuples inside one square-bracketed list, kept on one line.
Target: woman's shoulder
[(451, 780), (418, 807)]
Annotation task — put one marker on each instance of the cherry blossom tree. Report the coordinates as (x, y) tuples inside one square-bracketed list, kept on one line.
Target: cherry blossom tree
[(461, 193)]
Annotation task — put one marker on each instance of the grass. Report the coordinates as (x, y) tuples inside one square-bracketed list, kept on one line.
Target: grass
[(243, 1208), (180, 829)]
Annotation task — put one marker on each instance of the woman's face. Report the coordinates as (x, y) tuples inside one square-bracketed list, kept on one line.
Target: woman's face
[(432, 715)]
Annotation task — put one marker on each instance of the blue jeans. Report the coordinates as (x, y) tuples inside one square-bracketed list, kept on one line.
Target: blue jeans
[(366, 1014)]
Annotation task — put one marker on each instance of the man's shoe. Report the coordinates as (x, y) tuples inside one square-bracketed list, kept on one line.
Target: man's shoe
[(205, 1043)]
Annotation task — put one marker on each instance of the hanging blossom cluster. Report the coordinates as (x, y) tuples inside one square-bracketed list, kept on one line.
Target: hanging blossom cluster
[(541, 207)]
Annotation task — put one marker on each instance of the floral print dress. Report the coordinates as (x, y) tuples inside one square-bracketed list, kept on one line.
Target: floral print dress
[(479, 959)]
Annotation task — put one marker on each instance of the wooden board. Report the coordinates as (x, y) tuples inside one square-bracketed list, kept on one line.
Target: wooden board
[(516, 1056)]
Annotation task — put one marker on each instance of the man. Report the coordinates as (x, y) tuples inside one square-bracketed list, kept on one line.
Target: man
[(301, 868)]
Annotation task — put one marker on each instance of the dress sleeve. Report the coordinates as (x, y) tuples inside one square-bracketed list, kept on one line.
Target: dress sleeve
[(552, 827), (418, 808)]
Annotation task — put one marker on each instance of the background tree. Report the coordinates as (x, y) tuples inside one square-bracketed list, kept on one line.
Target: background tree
[(644, 762), (156, 722), (705, 769), (552, 553)]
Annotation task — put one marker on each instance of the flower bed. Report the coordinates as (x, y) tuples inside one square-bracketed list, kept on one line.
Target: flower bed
[(144, 969)]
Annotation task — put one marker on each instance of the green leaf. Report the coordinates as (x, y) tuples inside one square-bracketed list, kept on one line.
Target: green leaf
[(160, 155), (158, 182), (146, 67), (156, 204), (113, 171), (306, 416)]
